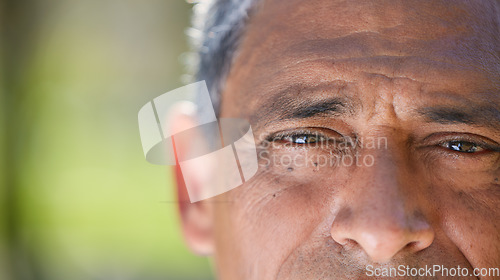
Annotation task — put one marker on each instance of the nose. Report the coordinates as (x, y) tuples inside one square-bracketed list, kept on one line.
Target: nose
[(380, 214)]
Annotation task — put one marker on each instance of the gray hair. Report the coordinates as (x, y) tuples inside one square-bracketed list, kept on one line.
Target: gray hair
[(218, 26)]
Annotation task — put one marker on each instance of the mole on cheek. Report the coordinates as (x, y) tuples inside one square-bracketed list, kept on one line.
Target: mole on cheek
[(316, 168)]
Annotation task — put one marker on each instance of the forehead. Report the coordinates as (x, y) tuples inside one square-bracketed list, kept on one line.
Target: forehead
[(443, 46)]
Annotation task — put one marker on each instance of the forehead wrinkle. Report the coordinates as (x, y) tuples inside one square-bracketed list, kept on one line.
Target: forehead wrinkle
[(349, 46), (444, 54), (450, 39), (414, 68)]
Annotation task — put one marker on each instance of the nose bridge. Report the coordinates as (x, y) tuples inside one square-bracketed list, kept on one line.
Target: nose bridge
[(382, 200), (382, 183), (381, 215)]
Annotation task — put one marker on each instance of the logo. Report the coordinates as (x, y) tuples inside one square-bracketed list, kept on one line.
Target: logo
[(217, 155)]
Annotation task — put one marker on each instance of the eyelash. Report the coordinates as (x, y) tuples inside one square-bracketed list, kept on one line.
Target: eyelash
[(281, 136), (317, 137)]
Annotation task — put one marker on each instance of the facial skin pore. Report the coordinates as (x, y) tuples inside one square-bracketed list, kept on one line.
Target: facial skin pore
[(424, 75)]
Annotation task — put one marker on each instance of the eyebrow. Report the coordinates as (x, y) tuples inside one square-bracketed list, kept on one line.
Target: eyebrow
[(290, 109), (331, 106), (478, 115), (293, 103)]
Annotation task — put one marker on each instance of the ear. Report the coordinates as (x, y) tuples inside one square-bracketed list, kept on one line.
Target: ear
[(196, 218)]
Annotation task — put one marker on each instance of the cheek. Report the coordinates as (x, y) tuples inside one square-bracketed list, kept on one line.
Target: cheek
[(458, 170), (465, 199), (273, 215), (472, 221)]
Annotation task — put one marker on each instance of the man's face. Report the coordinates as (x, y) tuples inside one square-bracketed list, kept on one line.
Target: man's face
[(404, 97)]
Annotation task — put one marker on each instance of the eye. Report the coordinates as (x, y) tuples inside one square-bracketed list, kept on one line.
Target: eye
[(315, 137), (302, 138), (463, 146)]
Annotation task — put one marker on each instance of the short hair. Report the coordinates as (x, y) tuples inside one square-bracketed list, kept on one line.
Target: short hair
[(218, 27)]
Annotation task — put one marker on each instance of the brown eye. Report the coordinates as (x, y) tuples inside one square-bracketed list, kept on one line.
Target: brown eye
[(302, 139), (463, 146)]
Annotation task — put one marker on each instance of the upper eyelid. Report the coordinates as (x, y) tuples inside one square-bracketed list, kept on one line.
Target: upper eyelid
[(460, 136), (286, 133), (471, 139)]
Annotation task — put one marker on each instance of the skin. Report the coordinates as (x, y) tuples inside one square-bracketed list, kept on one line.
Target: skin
[(419, 74)]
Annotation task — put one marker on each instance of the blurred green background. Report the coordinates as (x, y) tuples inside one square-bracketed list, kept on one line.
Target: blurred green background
[(78, 199)]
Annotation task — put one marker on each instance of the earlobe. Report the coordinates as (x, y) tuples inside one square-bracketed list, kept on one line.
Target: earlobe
[(196, 218)]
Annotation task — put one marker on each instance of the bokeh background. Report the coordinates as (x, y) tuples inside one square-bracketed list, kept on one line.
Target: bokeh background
[(78, 200)]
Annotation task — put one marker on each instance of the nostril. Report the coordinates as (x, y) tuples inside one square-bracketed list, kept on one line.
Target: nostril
[(412, 246), (349, 242)]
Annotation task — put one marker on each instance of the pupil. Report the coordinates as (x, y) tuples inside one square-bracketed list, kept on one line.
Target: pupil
[(463, 146), (304, 139), (300, 140)]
